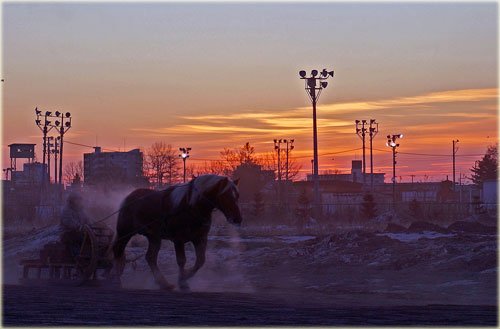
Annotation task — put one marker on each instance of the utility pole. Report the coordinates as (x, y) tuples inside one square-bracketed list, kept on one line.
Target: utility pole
[(289, 148), (56, 151), (64, 126), (455, 149), (49, 151), (277, 147), (184, 155), (391, 142), (314, 84), (373, 132), (45, 127), (361, 132)]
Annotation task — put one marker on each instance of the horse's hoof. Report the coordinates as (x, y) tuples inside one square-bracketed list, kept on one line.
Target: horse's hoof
[(184, 287), (167, 286)]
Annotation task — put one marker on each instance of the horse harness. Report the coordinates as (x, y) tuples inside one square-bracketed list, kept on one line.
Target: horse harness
[(184, 206)]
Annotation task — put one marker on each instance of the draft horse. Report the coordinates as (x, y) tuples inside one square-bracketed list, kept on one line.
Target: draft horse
[(181, 213)]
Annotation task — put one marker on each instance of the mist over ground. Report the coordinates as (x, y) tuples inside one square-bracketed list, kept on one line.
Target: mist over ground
[(390, 263)]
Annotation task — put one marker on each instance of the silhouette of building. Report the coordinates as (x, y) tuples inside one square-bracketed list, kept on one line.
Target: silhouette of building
[(490, 195), (102, 168), (356, 175), (33, 174), (252, 180)]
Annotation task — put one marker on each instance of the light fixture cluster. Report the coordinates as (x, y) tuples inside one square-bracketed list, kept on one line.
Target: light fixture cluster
[(315, 82), (184, 152), (46, 121), (391, 140), (184, 155), (59, 116)]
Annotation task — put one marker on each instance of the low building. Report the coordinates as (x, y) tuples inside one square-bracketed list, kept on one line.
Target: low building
[(252, 180), (356, 176), (33, 173), (113, 167), (490, 195)]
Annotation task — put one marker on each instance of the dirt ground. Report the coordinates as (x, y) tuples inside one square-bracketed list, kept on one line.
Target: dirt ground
[(420, 269)]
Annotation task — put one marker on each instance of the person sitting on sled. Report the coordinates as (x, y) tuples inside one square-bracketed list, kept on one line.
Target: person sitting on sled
[(73, 218)]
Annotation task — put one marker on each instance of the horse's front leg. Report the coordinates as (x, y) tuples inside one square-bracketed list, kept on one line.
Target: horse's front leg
[(151, 258), (180, 255), (200, 246)]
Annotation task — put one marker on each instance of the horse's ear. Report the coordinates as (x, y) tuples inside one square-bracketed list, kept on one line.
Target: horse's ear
[(236, 181)]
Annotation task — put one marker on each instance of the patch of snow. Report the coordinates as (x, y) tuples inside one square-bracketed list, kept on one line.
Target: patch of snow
[(409, 237), (294, 239), (490, 270), (458, 283), (239, 239), (281, 238), (31, 242)]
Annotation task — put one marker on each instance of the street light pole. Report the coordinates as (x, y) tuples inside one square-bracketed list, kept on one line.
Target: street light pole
[(56, 151), (455, 149), (45, 128), (277, 147), (391, 142), (289, 148), (184, 155), (49, 151), (314, 84), (361, 132), (63, 128), (373, 132)]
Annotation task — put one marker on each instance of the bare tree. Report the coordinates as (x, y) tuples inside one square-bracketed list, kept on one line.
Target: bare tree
[(162, 164), (215, 167), (269, 161), (71, 170), (231, 159)]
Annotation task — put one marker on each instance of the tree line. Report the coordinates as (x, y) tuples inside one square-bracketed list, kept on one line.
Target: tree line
[(162, 165)]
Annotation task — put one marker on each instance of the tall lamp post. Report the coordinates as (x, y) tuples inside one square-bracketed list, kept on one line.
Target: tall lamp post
[(455, 149), (50, 150), (361, 132), (373, 132), (184, 155), (56, 152), (391, 142), (45, 126), (63, 124), (314, 84), (277, 147), (289, 148)]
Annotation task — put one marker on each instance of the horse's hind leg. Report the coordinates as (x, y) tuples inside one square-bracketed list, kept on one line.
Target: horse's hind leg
[(180, 255), (151, 258), (119, 253)]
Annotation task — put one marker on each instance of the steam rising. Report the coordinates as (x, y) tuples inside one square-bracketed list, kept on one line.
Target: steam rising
[(222, 270)]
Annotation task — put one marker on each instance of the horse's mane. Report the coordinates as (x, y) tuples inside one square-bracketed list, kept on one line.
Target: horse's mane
[(206, 183)]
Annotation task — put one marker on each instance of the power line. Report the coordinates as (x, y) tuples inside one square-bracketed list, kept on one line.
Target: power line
[(427, 154), (89, 146)]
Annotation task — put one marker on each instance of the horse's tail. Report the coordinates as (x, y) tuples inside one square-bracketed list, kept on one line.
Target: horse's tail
[(126, 221)]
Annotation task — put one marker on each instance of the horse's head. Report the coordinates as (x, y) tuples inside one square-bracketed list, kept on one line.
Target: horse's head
[(224, 195), (227, 200)]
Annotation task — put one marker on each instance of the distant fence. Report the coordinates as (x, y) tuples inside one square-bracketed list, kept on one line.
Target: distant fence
[(421, 210)]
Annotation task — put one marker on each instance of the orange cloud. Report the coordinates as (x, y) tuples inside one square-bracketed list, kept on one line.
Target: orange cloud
[(465, 95)]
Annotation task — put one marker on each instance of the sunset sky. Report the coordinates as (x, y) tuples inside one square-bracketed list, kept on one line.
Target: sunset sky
[(210, 76)]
